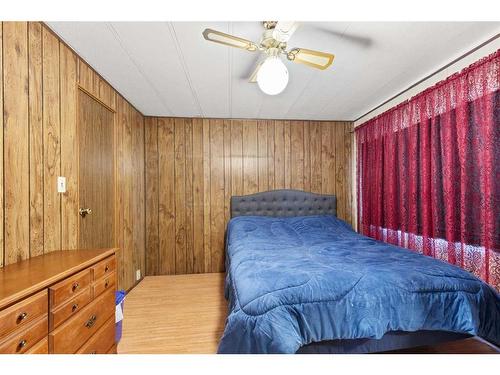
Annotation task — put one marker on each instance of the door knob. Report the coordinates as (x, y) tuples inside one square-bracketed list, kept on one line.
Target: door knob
[(84, 211)]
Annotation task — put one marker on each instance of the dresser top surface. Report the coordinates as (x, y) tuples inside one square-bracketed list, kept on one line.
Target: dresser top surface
[(19, 280)]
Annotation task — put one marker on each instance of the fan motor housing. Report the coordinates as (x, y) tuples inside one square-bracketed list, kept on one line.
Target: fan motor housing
[(268, 41), (269, 25)]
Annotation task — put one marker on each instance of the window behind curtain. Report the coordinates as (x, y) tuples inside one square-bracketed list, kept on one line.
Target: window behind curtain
[(429, 171)]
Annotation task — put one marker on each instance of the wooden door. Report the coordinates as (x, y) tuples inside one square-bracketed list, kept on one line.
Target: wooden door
[(96, 173)]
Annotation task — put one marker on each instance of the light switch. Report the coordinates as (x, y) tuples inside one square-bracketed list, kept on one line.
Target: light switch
[(61, 184)]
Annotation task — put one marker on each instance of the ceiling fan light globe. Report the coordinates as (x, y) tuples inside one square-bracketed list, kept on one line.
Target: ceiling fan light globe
[(272, 76)]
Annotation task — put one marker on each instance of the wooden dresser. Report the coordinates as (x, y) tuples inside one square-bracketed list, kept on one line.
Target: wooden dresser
[(60, 302)]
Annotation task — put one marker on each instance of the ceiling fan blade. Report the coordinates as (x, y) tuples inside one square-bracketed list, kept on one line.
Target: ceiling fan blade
[(229, 40), (253, 77), (284, 30), (316, 59)]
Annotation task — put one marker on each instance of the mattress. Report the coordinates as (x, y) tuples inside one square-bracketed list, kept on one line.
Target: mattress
[(393, 340), (295, 281)]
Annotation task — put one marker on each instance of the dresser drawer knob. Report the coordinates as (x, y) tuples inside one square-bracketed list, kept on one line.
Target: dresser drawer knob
[(106, 284), (91, 321), (22, 344), (76, 286), (106, 269), (74, 307), (22, 316)]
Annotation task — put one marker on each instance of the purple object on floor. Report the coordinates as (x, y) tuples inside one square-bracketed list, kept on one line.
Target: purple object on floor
[(119, 300)]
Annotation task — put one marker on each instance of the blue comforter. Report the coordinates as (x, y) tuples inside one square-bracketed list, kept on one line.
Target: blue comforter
[(293, 281)]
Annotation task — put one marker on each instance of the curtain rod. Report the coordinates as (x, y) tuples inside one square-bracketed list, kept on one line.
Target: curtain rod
[(430, 75)]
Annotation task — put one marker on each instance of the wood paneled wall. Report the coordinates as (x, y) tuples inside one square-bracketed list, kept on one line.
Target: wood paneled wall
[(39, 83), (130, 193), (194, 166), (39, 79)]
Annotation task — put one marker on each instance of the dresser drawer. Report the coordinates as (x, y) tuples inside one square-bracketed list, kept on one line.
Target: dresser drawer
[(104, 267), (74, 305), (72, 334), (66, 289), (102, 341), (103, 284), (24, 339), (41, 347), (23, 313)]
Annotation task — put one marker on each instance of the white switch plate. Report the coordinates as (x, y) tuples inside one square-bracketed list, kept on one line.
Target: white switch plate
[(137, 275), (61, 184)]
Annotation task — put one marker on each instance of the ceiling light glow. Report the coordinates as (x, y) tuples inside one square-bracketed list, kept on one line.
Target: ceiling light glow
[(272, 76)]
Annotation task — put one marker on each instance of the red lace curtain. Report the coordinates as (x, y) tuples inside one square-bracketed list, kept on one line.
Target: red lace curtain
[(429, 172)]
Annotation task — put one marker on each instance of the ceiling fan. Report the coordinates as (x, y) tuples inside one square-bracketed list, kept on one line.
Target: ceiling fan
[(271, 73)]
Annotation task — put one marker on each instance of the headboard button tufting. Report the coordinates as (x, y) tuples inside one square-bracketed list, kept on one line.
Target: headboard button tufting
[(283, 203)]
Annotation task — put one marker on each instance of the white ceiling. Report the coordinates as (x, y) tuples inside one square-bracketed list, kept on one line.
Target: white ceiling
[(168, 69)]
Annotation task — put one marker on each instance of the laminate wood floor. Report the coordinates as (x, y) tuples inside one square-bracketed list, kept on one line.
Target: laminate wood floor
[(174, 314), (186, 313)]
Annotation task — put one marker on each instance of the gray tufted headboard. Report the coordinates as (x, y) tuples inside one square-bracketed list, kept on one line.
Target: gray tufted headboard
[(282, 203)]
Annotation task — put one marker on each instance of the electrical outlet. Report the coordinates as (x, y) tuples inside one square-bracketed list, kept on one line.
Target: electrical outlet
[(137, 275)]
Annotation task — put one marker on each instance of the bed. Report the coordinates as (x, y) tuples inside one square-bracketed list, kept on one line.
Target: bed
[(300, 280)]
